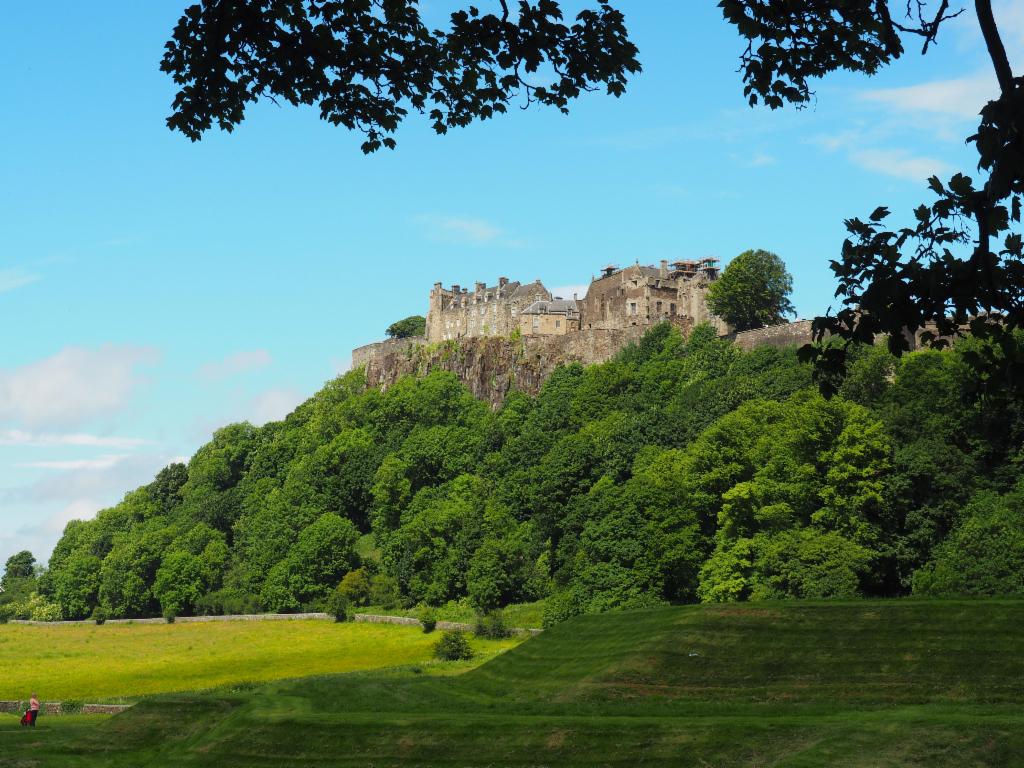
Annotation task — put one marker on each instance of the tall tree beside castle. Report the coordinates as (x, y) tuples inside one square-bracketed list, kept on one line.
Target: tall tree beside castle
[(753, 291)]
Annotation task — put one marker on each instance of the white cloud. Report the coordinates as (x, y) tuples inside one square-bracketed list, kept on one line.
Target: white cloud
[(15, 278), (101, 463), (73, 386), (899, 163), (48, 439), (240, 362), (273, 405), (961, 97), (463, 230)]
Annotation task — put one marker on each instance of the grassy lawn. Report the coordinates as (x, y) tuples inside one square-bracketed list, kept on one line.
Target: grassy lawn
[(897, 683), (89, 663)]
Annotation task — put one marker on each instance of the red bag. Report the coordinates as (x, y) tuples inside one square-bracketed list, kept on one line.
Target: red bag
[(26, 718)]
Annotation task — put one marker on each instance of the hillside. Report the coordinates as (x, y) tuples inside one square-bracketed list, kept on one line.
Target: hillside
[(682, 470), (867, 683)]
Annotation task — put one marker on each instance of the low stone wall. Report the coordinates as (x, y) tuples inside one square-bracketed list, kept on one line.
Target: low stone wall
[(186, 619), (57, 708), (365, 618), (798, 332)]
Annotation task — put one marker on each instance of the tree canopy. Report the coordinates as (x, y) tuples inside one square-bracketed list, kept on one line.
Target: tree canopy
[(414, 325), (366, 63), (753, 291), (682, 470)]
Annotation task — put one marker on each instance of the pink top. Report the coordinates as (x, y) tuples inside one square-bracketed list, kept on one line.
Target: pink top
[(34, 704)]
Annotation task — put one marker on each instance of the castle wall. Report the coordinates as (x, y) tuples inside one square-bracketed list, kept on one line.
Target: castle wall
[(783, 335), (363, 355), (457, 313), (547, 325)]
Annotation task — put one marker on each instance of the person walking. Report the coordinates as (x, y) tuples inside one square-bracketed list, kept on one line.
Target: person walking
[(33, 710)]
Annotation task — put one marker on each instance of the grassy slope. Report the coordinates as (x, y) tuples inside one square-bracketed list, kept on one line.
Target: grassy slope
[(119, 661), (799, 684)]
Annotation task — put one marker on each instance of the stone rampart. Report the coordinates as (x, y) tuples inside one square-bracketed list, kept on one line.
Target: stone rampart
[(786, 334), (363, 355)]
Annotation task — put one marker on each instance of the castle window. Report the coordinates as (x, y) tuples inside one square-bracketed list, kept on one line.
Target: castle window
[(671, 309), (658, 310), (632, 307), (536, 321), (558, 323)]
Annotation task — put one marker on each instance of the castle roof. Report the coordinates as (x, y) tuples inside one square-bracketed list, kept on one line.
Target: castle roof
[(526, 290), (553, 307)]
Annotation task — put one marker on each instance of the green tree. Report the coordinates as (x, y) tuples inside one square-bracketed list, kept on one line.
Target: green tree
[(984, 556), (18, 566), (179, 583), (753, 291), (76, 586), (414, 325)]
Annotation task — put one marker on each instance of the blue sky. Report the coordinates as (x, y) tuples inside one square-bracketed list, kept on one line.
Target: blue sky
[(152, 289)]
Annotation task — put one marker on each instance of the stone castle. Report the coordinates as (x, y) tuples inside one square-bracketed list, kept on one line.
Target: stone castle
[(511, 336), (635, 297)]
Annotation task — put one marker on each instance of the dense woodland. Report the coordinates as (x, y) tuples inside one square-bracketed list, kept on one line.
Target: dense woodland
[(681, 471)]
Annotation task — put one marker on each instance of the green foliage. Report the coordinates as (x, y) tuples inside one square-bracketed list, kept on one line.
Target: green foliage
[(491, 625), (682, 470), (414, 325), (753, 291), (18, 566), (356, 587), (384, 591), (410, 64), (428, 618), (338, 604), (453, 645), (100, 615), (984, 555)]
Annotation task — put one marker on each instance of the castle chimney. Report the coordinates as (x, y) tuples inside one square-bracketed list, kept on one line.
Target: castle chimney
[(437, 286), (502, 282), (664, 268), (574, 296), (479, 287), (455, 288)]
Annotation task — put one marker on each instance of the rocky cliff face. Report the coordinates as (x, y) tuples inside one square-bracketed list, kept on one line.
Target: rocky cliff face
[(490, 367)]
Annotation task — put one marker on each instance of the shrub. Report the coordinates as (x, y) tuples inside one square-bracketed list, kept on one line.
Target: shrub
[(428, 618), (169, 615), (384, 591), (6, 612), (356, 586), (70, 707), (453, 646), (99, 615), (492, 625), (338, 604), (562, 606), (227, 602)]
